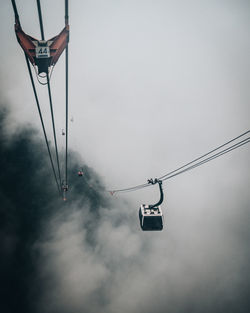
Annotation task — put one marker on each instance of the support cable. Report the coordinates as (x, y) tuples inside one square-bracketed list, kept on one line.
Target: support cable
[(66, 12), (218, 154), (49, 92), (138, 187), (201, 157), (67, 94), (15, 11), (40, 18), (37, 102), (41, 119), (184, 168), (54, 131)]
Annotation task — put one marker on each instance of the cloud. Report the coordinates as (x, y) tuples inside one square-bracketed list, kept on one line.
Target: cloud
[(88, 254), (55, 254)]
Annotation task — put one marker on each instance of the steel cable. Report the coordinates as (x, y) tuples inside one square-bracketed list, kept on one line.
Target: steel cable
[(53, 126), (67, 94), (41, 119), (37, 103), (218, 154), (40, 18), (201, 157), (184, 168), (49, 92)]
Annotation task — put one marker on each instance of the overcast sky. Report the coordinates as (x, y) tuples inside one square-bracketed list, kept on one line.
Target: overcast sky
[(153, 85)]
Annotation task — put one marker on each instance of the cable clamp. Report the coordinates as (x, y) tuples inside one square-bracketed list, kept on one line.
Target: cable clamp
[(154, 181)]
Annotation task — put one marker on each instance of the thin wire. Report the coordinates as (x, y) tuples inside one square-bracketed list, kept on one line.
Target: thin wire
[(168, 175), (40, 18), (15, 10), (66, 12), (129, 189), (67, 93), (201, 157), (41, 118), (54, 131), (229, 149), (37, 102), (49, 92)]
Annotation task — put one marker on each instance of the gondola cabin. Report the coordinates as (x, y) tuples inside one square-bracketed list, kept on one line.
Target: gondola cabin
[(151, 218)]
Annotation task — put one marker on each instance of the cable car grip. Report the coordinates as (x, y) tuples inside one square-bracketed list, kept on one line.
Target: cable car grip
[(159, 182)]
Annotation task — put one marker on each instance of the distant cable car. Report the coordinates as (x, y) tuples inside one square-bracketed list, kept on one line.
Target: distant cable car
[(65, 188), (80, 172), (151, 216)]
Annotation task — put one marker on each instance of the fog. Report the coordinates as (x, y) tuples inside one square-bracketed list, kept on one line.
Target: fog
[(153, 85)]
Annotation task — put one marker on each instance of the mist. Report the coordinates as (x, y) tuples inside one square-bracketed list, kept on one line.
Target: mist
[(152, 85), (88, 254)]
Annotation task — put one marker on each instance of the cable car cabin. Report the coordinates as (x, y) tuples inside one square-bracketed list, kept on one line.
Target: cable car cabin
[(151, 218)]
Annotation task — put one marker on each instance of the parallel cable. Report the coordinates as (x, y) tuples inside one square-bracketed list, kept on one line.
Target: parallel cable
[(53, 126), (49, 92), (184, 167), (218, 154), (41, 119), (37, 103), (201, 157)]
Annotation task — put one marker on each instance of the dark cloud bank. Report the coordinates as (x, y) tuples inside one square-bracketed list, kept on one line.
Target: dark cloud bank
[(88, 254)]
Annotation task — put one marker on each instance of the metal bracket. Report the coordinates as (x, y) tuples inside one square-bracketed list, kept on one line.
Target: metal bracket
[(159, 182)]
